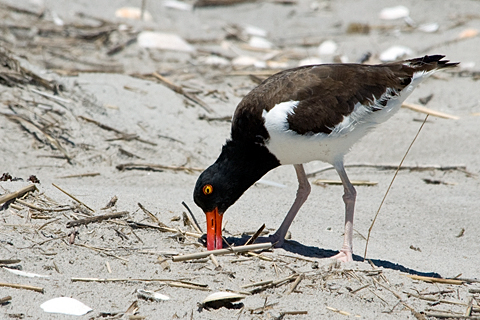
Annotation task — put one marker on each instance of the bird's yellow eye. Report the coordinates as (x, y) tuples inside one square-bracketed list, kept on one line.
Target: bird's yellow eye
[(207, 189)]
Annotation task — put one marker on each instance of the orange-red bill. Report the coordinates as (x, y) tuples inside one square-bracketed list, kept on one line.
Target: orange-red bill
[(214, 230)]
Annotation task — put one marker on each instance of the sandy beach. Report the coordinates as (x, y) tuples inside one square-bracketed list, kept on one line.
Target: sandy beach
[(92, 104)]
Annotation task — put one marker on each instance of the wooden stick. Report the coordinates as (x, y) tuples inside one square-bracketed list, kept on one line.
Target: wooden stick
[(75, 223), (295, 284), (21, 286), (205, 254), (5, 299), (151, 166), (422, 109), (390, 186), (192, 219), (166, 229), (437, 280), (93, 174), (18, 193), (338, 182), (214, 261), (255, 235), (68, 194)]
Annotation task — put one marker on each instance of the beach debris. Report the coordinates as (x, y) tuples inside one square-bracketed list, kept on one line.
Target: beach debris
[(204, 254), (22, 286), (151, 295), (255, 31), (133, 13), (260, 43), (394, 53), (221, 299), (422, 109), (25, 274), (65, 305), (429, 27), (17, 194), (310, 61), (116, 215), (163, 41), (468, 33), (358, 28), (327, 47), (394, 13), (179, 5)]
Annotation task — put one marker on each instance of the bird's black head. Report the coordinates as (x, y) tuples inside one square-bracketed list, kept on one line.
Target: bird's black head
[(238, 167)]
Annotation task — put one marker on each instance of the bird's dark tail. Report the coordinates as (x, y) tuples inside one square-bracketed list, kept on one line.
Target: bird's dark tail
[(432, 62)]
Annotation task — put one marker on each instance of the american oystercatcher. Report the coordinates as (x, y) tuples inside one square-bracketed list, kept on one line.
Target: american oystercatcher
[(299, 115)]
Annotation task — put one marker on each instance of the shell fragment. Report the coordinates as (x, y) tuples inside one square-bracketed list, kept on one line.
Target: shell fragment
[(65, 305)]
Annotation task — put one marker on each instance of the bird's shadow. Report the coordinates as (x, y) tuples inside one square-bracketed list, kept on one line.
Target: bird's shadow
[(319, 253)]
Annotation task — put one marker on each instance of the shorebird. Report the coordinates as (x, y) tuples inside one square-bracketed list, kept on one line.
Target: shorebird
[(303, 114)]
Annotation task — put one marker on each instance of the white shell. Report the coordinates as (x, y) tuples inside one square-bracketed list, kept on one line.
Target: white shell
[(327, 47), (429, 27), (133, 13), (393, 13), (165, 41), (215, 60), (259, 42), (255, 31), (245, 61), (26, 274), (152, 295), (224, 296), (310, 61), (395, 53), (179, 5), (65, 305)]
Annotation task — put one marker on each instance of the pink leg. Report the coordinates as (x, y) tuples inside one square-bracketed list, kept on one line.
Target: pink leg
[(302, 195), (349, 197)]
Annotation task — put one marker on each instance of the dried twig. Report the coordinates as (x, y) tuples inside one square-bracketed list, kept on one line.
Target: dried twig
[(255, 235), (71, 196), (81, 175), (154, 167), (338, 182), (422, 109), (21, 286), (75, 223), (435, 280), (179, 90), (390, 185), (205, 254), (17, 194), (295, 284), (192, 219)]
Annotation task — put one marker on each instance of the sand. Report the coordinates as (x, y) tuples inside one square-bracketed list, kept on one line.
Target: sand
[(428, 225)]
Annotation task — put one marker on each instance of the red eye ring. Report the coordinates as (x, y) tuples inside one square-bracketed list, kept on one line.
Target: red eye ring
[(207, 189)]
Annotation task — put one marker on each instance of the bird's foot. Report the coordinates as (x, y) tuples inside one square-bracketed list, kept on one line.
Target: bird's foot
[(345, 255)]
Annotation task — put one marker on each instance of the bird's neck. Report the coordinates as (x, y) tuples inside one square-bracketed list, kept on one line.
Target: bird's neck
[(245, 162)]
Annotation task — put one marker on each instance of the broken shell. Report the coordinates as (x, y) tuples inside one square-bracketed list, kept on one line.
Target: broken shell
[(26, 274), (152, 295), (395, 53), (393, 13), (179, 5), (255, 31), (310, 61), (327, 47), (65, 305), (429, 27), (468, 33), (165, 41), (223, 296), (259, 42), (133, 13)]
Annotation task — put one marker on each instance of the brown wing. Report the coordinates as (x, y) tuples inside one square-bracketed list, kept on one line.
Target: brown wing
[(326, 93)]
